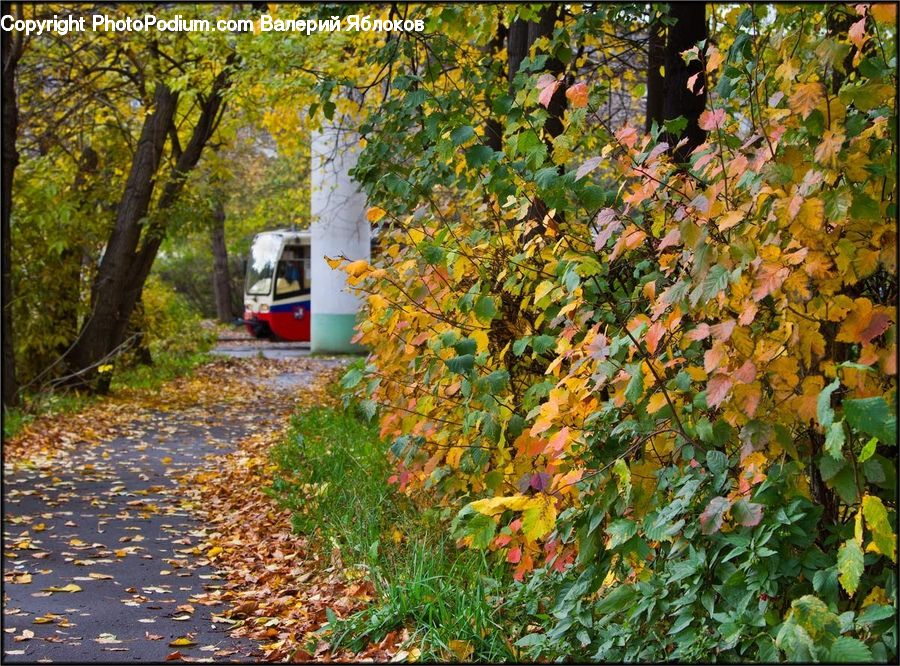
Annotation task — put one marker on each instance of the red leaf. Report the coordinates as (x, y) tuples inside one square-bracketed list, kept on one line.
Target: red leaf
[(670, 239), (747, 513), (717, 389), (654, 334), (746, 373), (514, 555), (722, 331), (769, 278), (711, 518), (547, 84), (710, 120), (699, 333)]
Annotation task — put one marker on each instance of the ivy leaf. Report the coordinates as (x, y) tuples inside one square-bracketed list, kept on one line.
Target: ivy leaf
[(850, 565)]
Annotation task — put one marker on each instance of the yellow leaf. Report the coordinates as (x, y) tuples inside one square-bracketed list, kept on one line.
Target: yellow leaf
[(497, 505), (333, 263), (462, 650), (656, 402), (374, 214), (357, 268), (167, 460), (539, 517), (884, 541), (481, 338), (71, 587), (179, 642), (212, 552)]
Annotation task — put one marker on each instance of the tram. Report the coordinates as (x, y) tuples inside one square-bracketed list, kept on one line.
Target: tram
[(277, 286)]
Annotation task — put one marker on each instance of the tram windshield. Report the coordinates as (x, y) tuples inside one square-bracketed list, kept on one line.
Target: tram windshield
[(261, 266)]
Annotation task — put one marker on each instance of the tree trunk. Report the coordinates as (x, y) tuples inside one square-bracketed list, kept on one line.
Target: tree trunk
[(522, 36), (656, 58), (221, 278), (129, 253), (10, 50), (689, 28)]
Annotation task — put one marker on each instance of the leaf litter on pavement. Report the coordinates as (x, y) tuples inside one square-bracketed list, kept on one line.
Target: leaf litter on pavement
[(82, 490)]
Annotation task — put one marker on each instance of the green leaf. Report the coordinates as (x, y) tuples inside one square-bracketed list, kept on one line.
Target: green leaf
[(824, 412), (542, 343), (482, 528), (848, 650), (352, 378), (462, 134), (834, 440), (620, 531), (461, 364), (813, 615), (635, 388), (868, 450), (747, 513), (479, 155), (850, 565), (466, 346), (873, 417), (485, 309), (519, 345), (497, 380)]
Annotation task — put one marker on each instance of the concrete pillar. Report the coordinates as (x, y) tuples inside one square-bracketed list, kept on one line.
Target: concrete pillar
[(338, 227)]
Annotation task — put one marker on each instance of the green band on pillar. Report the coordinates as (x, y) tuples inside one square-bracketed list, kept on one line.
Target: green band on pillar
[(331, 334)]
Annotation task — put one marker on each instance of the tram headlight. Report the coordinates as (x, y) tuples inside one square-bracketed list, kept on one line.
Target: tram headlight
[(263, 308)]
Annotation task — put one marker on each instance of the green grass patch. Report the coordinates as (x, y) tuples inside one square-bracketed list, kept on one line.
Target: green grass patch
[(333, 472)]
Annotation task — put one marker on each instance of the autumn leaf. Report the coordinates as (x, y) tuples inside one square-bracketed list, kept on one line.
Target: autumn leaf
[(539, 516), (806, 97), (713, 515), (374, 214), (577, 95), (547, 85)]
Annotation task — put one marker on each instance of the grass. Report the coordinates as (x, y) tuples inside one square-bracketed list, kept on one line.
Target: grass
[(165, 366), (333, 477)]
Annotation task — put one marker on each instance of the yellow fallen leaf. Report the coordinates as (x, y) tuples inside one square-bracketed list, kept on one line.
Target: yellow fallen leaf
[(212, 552), (121, 553), (179, 642), (71, 587), (99, 576), (22, 579), (167, 460)]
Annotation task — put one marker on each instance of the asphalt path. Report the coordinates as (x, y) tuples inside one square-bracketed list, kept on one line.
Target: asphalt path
[(103, 560)]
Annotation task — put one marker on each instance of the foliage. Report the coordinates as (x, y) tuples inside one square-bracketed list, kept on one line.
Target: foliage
[(672, 382)]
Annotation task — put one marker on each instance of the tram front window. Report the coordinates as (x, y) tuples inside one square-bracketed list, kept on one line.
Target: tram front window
[(261, 267)]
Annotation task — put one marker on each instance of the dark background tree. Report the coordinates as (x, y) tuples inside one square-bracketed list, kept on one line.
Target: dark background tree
[(11, 46)]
